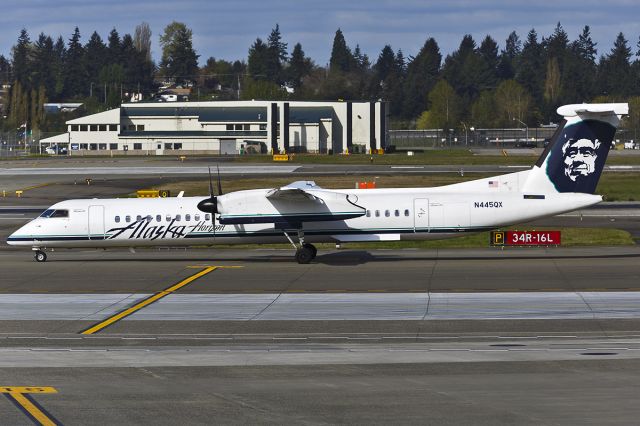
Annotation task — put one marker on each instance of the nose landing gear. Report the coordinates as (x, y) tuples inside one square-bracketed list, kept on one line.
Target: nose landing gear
[(40, 256)]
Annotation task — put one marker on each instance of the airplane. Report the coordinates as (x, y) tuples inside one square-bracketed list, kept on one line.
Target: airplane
[(563, 179)]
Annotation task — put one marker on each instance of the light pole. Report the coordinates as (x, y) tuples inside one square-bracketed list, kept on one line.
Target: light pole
[(466, 139), (526, 127)]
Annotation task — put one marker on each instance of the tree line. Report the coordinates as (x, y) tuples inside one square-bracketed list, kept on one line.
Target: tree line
[(479, 84)]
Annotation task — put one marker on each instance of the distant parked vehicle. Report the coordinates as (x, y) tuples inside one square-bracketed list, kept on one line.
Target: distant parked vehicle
[(630, 145), (55, 149)]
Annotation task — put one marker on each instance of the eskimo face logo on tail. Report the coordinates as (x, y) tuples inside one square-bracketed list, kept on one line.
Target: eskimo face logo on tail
[(577, 158), (580, 157)]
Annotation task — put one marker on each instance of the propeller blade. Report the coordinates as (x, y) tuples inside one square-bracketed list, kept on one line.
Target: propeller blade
[(219, 182), (210, 183)]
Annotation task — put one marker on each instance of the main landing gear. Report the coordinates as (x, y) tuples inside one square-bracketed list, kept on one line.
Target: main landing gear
[(306, 252), (40, 256)]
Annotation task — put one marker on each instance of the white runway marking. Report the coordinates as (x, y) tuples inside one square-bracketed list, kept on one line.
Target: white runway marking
[(332, 306), (92, 171)]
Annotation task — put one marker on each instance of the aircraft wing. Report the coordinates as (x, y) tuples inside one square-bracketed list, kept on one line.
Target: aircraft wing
[(298, 202)]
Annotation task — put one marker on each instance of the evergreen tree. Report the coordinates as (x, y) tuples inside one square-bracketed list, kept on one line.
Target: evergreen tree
[(614, 71), (94, 58), (422, 75), (257, 61), (585, 46), (299, 67), (580, 69), (341, 58), (75, 76), (529, 70), (21, 63), (179, 59), (114, 47), (5, 70), (43, 64), (509, 56), (57, 67), (276, 56)]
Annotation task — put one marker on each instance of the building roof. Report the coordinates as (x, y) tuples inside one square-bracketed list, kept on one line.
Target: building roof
[(106, 117), (62, 138)]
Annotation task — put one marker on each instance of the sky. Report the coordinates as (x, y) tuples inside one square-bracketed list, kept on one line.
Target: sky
[(225, 29)]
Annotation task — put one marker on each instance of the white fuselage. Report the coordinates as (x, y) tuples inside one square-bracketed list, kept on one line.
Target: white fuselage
[(391, 215)]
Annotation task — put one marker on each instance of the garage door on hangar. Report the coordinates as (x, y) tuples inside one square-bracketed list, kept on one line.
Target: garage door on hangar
[(228, 147)]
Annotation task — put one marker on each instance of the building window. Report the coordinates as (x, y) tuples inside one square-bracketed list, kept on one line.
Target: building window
[(83, 127), (229, 126), (137, 146), (247, 127), (238, 127), (117, 219), (102, 146), (113, 127), (177, 146), (84, 146), (74, 128), (113, 146), (93, 127), (93, 146), (167, 145), (102, 127), (263, 127), (140, 128)]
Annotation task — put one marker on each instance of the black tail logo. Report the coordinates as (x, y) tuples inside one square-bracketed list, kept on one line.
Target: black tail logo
[(577, 157)]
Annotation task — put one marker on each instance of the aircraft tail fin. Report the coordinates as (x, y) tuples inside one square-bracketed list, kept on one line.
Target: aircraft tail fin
[(574, 159)]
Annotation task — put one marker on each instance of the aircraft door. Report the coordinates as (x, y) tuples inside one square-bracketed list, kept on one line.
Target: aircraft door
[(96, 223), (420, 214)]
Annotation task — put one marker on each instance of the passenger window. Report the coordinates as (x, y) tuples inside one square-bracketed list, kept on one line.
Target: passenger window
[(178, 218), (377, 213), (168, 218), (368, 213), (149, 218), (117, 219), (197, 217), (207, 216), (406, 212), (387, 213), (127, 219), (397, 213), (138, 218), (158, 218), (187, 217)]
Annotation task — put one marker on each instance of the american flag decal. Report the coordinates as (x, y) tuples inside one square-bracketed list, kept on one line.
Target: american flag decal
[(493, 184)]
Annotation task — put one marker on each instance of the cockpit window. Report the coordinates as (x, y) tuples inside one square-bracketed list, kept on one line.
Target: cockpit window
[(60, 213), (55, 213)]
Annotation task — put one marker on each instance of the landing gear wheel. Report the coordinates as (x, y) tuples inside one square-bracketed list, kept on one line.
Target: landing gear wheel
[(304, 255), (40, 256), (313, 249)]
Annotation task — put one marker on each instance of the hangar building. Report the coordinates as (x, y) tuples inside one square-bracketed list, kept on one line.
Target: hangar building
[(229, 127)]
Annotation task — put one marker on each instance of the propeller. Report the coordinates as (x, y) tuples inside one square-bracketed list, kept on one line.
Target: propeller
[(210, 205)]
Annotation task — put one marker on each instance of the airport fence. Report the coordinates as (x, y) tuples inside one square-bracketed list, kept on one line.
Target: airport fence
[(416, 140)]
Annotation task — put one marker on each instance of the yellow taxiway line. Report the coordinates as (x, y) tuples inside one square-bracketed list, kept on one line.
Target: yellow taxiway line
[(19, 396), (149, 300)]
